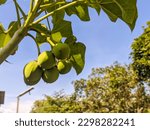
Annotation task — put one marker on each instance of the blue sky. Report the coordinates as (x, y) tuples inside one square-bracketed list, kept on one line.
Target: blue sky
[(106, 43)]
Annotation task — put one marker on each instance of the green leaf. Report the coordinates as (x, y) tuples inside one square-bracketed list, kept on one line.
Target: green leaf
[(70, 10), (56, 36), (124, 9), (40, 28), (2, 30), (81, 10), (78, 56), (51, 5), (63, 27), (13, 27), (4, 39), (71, 40), (128, 9), (42, 33), (95, 4), (112, 10), (58, 15), (40, 39)]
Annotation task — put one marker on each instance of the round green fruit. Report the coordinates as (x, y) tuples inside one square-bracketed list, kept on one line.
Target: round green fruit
[(64, 67), (32, 73), (61, 51), (30, 83), (46, 60), (51, 75)]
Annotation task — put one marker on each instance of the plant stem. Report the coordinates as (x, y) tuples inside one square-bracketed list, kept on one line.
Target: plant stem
[(28, 34), (48, 22), (50, 42), (31, 5), (21, 11), (49, 5), (32, 13), (17, 11)]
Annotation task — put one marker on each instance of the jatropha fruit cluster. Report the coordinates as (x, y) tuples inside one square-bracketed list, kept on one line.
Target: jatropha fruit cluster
[(48, 65)]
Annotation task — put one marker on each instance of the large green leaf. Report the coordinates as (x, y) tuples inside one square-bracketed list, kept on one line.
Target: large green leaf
[(71, 40), (41, 33), (40, 38), (58, 15), (95, 4), (13, 27), (63, 27), (51, 5), (112, 10), (129, 11), (4, 37), (81, 10), (78, 56), (124, 9), (40, 28), (2, 30), (56, 37)]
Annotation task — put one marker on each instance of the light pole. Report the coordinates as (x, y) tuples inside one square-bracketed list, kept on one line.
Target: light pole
[(2, 97), (20, 95)]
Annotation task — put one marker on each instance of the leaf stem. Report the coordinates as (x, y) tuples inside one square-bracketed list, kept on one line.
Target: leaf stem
[(31, 5), (22, 12), (50, 41), (49, 5), (38, 48), (32, 13), (17, 11), (48, 23)]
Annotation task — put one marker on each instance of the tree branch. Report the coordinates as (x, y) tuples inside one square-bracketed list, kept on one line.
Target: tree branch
[(12, 44), (19, 34)]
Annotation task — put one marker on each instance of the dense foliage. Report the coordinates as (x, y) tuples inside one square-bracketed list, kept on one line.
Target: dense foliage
[(141, 55), (114, 88)]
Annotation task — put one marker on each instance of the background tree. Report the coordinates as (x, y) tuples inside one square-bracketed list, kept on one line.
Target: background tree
[(114, 88), (57, 30), (141, 55)]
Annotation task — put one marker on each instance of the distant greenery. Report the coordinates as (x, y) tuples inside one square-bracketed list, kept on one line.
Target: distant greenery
[(141, 55), (114, 88)]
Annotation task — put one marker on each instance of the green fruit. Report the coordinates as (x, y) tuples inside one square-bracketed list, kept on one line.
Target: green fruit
[(51, 75), (64, 67), (30, 83), (46, 60), (61, 51), (32, 73)]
